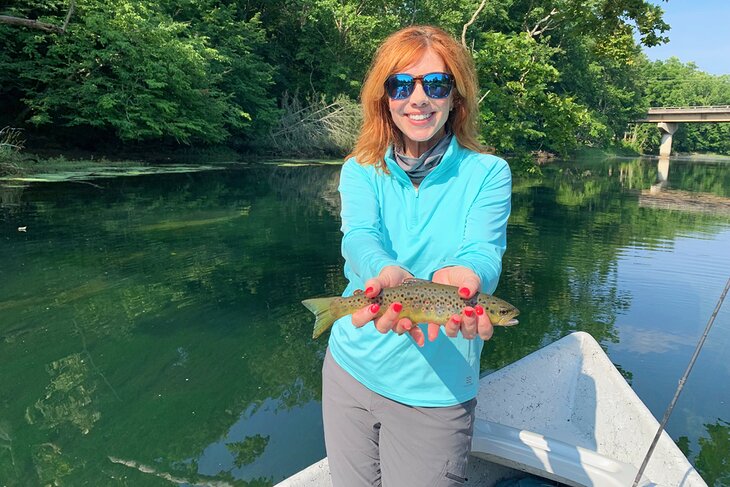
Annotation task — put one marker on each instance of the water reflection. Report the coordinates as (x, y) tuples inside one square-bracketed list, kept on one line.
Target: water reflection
[(714, 455), (710, 196), (151, 328), (662, 175), (261, 442)]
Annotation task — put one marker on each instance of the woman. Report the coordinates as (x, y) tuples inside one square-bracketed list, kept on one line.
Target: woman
[(420, 198)]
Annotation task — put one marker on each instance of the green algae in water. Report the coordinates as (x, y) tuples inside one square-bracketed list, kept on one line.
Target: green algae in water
[(105, 172)]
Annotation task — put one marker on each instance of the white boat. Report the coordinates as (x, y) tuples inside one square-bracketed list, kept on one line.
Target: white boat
[(563, 413)]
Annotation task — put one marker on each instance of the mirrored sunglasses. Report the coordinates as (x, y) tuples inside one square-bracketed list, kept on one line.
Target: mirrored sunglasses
[(436, 85)]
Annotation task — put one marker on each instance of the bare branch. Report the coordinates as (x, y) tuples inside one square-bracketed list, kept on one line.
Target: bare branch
[(543, 24), (483, 97), (471, 21), (71, 7), (33, 24)]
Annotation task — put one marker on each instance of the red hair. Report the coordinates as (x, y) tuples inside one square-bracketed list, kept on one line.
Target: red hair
[(397, 52)]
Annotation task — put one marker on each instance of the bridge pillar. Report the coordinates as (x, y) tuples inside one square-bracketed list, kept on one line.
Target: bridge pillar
[(667, 129)]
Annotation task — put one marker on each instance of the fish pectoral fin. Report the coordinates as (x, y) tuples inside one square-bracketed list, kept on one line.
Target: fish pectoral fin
[(412, 281)]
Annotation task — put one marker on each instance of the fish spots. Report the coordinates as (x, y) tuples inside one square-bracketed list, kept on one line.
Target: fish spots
[(425, 301)]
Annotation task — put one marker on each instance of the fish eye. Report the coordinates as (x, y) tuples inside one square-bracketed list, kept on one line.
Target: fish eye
[(503, 311)]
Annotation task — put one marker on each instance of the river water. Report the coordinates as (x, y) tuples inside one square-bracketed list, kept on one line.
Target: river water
[(151, 331)]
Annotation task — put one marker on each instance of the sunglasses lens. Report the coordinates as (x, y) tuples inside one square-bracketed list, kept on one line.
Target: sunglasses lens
[(437, 85), (399, 86)]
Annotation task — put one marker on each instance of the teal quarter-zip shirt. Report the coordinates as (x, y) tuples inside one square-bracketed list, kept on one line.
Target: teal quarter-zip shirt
[(456, 217)]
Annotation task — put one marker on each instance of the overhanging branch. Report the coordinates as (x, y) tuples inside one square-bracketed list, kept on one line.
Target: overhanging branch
[(542, 25), (35, 24)]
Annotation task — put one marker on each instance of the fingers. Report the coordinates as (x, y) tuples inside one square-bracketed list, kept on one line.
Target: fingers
[(373, 287), (403, 325), (469, 323), (417, 334), (442, 276), (484, 325), (466, 323), (433, 331), (365, 315), (391, 276), (469, 285), (462, 277), (389, 319), (451, 327)]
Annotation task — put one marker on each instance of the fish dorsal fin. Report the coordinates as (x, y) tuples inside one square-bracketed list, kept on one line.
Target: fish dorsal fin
[(413, 281), (358, 291)]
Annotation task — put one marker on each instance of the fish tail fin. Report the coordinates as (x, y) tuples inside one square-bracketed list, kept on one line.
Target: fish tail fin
[(324, 318)]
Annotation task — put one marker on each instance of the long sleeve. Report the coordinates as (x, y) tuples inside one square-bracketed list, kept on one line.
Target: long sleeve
[(485, 233), (456, 217), (362, 241)]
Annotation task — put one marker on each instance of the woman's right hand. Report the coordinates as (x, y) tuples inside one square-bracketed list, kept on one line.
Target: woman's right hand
[(390, 276)]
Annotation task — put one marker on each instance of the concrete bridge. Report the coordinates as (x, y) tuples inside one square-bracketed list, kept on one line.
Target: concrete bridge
[(667, 119)]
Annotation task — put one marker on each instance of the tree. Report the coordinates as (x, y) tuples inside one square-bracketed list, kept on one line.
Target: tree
[(36, 24), (673, 83), (132, 71)]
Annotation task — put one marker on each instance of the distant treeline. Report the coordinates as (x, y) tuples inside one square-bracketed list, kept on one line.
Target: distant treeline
[(283, 75)]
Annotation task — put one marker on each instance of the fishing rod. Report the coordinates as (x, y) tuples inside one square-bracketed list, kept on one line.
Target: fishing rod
[(682, 381)]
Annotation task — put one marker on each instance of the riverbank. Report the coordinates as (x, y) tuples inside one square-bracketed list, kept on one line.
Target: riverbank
[(60, 166), (77, 166)]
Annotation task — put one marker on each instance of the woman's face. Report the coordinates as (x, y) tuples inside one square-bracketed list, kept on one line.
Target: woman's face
[(421, 119)]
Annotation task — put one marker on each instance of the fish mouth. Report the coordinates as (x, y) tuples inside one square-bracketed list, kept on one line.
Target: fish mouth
[(511, 322)]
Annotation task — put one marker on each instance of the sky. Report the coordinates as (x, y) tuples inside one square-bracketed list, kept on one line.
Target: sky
[(700, 32)]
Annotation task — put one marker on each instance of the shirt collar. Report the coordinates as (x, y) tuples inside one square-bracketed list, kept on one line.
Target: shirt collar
[(451, 159)]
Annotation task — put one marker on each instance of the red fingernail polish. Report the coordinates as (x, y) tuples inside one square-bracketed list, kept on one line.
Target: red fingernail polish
[(469, 312), (479, 310), (374, 308), (369, 290), (456, 318), (397, 307), (464, 291)]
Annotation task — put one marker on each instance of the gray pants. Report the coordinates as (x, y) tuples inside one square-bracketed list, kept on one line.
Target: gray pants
[(374, 441)]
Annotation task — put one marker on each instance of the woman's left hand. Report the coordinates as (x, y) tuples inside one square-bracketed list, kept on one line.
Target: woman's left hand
[(472, 321)]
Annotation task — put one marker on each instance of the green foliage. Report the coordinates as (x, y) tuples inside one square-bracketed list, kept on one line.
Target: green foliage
[(672, 83), (519, 109), (325, 46), (554, 75), (131, 69)]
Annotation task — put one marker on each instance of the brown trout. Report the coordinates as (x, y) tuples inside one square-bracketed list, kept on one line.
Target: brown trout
[(423, 302)]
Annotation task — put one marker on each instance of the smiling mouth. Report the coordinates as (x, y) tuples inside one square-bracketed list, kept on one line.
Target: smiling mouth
[(420, 116)]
